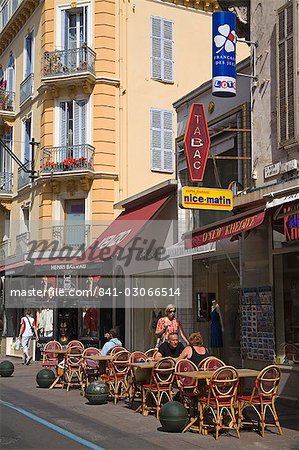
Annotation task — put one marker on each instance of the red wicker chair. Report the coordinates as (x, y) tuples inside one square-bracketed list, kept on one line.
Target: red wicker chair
[(73, 368), (262, 397), (50, 357), (90, 368), (210, 363), (135, 376), (117, 379), (188, 388), (75, 344), (222, 397)]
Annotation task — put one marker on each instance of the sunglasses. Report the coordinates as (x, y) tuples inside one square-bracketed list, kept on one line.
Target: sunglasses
[(172, 311)]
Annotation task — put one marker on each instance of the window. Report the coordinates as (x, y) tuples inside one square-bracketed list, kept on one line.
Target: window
[(286, 73), (74, 28), (74, 226), (73, 123), (161, 49), (10, 74), (27, 139), (4, 14), (162, 141), (28, 55)]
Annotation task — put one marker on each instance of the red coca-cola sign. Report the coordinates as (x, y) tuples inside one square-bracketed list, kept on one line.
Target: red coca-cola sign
[(197, 142)]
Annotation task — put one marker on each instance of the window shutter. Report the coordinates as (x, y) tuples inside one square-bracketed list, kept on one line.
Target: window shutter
[(168, 141), (27, 156), (161, 140), (167, 50), (156, 140), (156, 48), (63, 124), (80, 123), (10, 87)]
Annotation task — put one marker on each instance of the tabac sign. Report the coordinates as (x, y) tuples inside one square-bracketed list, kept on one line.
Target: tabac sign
[(207, 198), (197, 142)]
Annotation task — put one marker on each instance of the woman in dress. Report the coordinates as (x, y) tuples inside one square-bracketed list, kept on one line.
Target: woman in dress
[(195, 352), (169, 324)]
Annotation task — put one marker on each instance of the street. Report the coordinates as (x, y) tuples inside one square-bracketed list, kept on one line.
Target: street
[(34, 418)]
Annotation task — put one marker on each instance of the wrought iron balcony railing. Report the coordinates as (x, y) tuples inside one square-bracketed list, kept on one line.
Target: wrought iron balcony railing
[(26, 88), (73, 236), (5, 247), (22, 241), (65, 62), (7, 100), (23, 177), (6, 183), (67, 158)]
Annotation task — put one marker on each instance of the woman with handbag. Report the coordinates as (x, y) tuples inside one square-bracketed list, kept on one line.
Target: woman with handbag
[(27, 331)]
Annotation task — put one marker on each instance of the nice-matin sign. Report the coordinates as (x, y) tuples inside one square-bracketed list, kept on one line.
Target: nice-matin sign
[(207, 198)]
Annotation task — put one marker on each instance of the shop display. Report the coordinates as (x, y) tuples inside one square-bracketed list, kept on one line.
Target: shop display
[(257, 324)]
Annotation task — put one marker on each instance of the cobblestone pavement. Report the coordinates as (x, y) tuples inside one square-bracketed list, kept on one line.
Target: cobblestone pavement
[(117, 426)]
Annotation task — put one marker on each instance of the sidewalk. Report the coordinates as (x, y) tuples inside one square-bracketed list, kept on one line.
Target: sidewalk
[(118, 427)]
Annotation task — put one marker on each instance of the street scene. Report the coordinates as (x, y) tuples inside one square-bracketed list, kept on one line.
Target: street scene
[(149, 224)]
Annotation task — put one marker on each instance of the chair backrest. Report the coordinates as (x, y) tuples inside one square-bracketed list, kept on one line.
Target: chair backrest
[(224, 382), (267, 381), (120, 362), (74, 356), (211, 363), (75, 344), (184, 365), (138, 357), (49, 350), (163, 371), (116, 350), (91, 351), (150, 353)]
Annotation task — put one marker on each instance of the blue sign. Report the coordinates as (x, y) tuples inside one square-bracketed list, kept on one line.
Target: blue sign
[(224, 54)]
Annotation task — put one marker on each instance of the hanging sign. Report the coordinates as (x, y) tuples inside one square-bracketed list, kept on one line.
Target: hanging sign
[(207, 198), (224, 54), (197, 142)]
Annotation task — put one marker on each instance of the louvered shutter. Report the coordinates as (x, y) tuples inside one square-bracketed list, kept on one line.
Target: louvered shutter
[(63, 132), (167, 50), (168, 141), (156, 48), (79, 125), (156, 140)]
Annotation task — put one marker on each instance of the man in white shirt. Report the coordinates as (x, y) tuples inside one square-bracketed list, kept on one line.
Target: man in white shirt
[(27, 331)]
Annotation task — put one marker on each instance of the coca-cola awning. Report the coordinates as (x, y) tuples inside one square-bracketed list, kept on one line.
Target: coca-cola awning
[(224, 228), (121, 231)]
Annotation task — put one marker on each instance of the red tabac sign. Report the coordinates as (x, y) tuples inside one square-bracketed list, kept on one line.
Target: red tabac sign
[(197, 142)]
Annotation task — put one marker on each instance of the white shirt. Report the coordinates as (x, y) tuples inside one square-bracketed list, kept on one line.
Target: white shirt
[(25, 321)]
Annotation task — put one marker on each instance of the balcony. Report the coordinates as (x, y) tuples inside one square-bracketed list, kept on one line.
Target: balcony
[(5, 183), (26, 88), (13, 15), (69, 67), (76, 158), (24, 177), (5, 248), (22, 241), (7, 104), (74, 236)]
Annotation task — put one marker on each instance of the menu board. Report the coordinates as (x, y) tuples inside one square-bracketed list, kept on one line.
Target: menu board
[(257, 324)]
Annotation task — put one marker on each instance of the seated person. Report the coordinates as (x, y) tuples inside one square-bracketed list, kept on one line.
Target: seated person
[(195, 352), (172, 348), (112, 342)]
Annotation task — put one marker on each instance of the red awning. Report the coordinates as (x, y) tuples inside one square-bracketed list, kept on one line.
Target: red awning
[(224, 228), (116, 236), (14, 265)]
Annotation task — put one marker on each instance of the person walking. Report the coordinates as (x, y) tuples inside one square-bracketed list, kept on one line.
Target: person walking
[(169, 324), (27, 331)]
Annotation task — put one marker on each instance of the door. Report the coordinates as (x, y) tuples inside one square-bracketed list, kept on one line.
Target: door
[(75, 34), (73, 129), (75, 223)]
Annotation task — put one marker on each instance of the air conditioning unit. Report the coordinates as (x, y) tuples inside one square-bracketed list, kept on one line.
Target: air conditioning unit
[(289, 166)]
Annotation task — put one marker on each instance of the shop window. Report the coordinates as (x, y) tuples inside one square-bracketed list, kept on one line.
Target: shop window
[(203, 305), (286, 227)]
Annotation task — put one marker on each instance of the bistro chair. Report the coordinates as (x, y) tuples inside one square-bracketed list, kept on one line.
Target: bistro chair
[(150, 353), (116, 350), (117, 378), (210, 363), (50, 357), (90, 368), (73, 368), (263, 396), (160, 385), (75, 344), (188, 389), (135, 375), (221, 399)]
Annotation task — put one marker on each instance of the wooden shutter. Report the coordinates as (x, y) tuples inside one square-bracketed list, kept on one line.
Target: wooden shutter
[(167, 50), (161, 140), (80, 122), (156, 48), (63, 124), (286, 68)]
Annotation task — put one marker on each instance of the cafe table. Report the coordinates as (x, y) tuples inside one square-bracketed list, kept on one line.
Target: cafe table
[(144, 369), (98, 357), (206, 375)]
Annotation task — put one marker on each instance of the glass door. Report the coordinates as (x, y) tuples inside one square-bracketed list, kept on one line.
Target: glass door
[(75, 223)]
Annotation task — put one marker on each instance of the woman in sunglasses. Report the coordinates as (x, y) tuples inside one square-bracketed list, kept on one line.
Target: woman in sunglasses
[(169, 324)]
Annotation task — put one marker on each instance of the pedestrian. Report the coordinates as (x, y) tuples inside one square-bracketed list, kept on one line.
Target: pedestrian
[(169, 324), (112, 342), (27, 331)]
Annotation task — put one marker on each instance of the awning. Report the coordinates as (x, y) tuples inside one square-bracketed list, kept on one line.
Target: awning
[(13, 266), (283, 200), (224, 228), (122, 230), (178, 250)]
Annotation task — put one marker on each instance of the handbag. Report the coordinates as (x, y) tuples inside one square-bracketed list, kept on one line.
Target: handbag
[(16, 345)]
